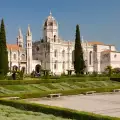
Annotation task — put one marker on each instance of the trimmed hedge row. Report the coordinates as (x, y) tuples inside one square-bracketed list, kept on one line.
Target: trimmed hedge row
[(115, 79), (56, 111), (64, 92), (69, 79)]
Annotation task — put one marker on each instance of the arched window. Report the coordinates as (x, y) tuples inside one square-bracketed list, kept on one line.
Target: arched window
[(90, 57), (63, 65), (14, 56), (55, 65), (54, 38), (63, 53), (55, 53)]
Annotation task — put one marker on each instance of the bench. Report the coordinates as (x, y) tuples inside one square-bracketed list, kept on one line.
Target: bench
[(116, 90), (90, 92), (12, 98), (54, 95)]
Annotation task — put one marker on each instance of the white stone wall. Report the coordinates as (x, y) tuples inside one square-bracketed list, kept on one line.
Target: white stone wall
[(105, 60), (63, 60), (115, 59), (15, 58), (98, 59)]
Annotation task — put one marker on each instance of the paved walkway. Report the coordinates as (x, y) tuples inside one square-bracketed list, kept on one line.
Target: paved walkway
[(108, 104)]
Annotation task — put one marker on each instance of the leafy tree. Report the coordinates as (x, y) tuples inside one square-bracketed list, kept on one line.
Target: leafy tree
[(116, 70), (3, 49), (79, 64), (109, 70)]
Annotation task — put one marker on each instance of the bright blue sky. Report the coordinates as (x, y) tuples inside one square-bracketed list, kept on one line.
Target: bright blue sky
[(99, 20)]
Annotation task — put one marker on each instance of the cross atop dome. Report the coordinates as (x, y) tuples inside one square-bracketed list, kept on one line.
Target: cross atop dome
[(50, 13)]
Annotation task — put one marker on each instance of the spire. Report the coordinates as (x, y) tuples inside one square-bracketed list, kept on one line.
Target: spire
[(20, 33), (28, 31), (20, 38)]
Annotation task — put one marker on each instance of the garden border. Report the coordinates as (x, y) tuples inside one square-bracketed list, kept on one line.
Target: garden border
[(56, 111)]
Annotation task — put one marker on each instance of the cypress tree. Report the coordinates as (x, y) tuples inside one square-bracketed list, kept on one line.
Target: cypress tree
[(79, 64), (3, 49)]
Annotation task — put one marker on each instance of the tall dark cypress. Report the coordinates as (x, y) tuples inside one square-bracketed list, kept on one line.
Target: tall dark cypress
[(79, 64), (3, 49)]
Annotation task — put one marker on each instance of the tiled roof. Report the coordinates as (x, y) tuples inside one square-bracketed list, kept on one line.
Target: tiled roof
[(108, 51), (13, 47), (96, 43)]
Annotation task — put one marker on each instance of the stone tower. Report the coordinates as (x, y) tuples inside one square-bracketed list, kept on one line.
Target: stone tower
[(20, 39), (29, 50), (50, 29)]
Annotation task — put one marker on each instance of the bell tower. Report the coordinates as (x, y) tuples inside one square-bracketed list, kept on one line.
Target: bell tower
[(29, 50), (50, 29)]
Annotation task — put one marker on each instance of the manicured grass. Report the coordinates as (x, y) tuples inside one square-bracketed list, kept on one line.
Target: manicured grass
[(52, 80), (26, 88), (11, 113)]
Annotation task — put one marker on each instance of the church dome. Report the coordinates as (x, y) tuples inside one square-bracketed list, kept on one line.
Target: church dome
[(50, 21)]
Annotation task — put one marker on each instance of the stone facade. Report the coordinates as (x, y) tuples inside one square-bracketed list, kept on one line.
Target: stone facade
[(57, 55)]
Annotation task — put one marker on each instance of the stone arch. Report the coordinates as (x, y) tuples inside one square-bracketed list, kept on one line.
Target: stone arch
[(15, 68), (38, 68)]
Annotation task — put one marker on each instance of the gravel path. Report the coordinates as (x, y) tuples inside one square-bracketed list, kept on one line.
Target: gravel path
[(107, 104)]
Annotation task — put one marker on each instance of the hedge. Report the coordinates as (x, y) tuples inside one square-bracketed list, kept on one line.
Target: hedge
[(64, 92), (115, 79), (69, 79), (56, 111)]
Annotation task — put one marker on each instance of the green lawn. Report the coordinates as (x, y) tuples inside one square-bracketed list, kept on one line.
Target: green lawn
[(14, 89), (11, 113)]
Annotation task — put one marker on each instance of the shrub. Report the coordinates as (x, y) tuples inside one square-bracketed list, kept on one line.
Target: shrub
[(51, 80), (57, 111), (64, 92), (115, 79), (19, 75), (2, 77)]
